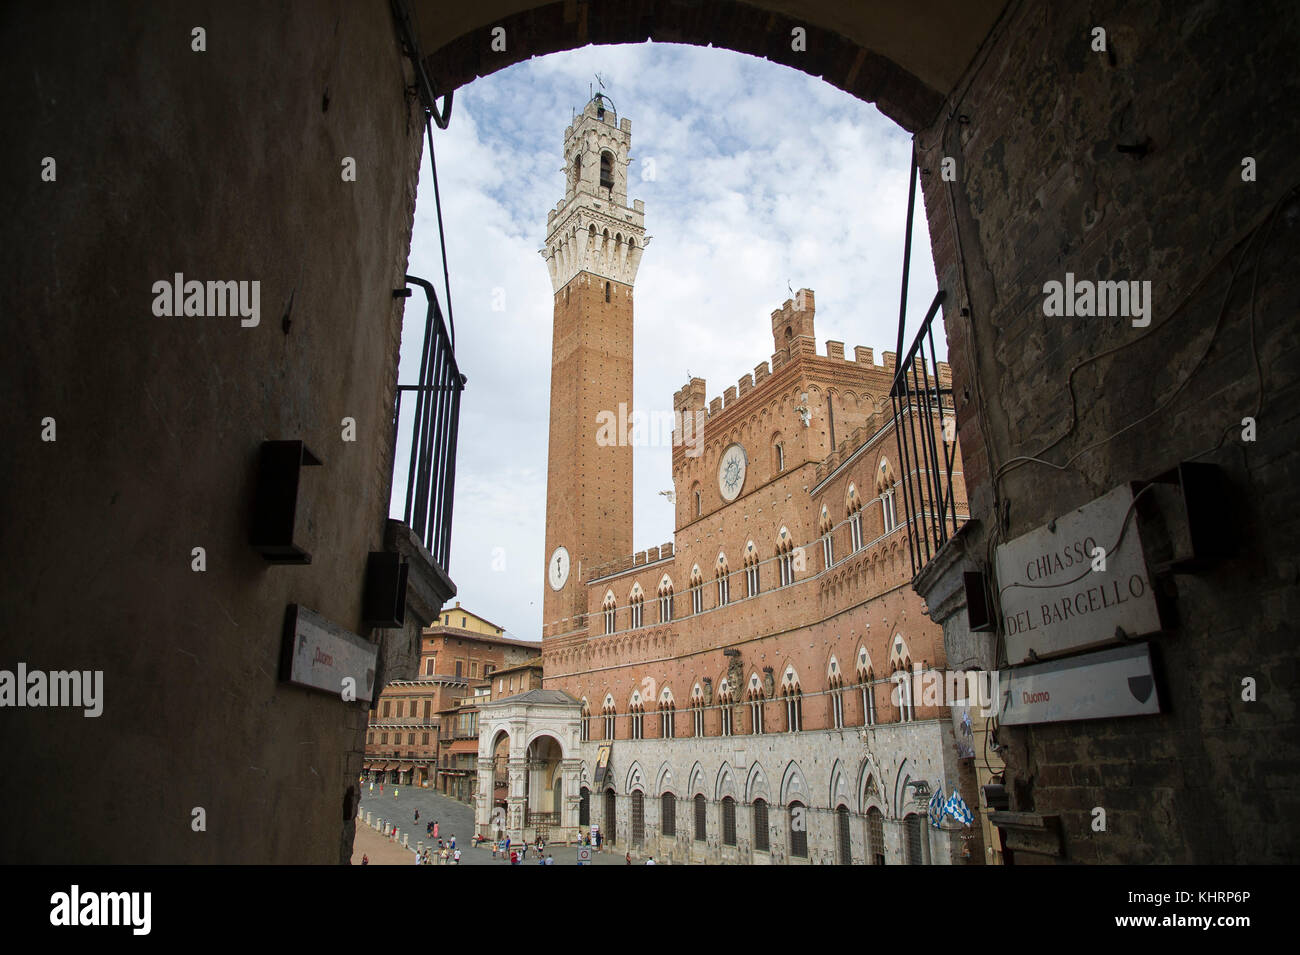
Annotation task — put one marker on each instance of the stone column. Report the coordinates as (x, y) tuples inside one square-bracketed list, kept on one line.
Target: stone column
[(940, 584), (515, 802), (483, 804), (571, 770)]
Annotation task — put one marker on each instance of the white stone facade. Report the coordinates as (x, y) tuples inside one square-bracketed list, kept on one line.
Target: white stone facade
[(856, 768), (593, 229), (539, 717), (822, 769)]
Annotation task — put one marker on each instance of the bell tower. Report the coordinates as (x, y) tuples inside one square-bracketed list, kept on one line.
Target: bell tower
[(593, 247)]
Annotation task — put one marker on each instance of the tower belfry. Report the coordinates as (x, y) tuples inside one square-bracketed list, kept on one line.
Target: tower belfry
[(593, 248), (593, 228)]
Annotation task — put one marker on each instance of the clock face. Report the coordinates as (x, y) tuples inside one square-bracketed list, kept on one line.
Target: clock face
[(731, 472), (557, 571)]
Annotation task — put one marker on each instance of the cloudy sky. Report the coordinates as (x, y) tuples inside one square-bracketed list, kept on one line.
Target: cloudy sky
[(762, 179)]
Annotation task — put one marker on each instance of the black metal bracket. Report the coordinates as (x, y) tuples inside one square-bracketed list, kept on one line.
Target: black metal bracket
[(1184, 518), (979, 609), (383, 602), (275, 506), (423, 85)]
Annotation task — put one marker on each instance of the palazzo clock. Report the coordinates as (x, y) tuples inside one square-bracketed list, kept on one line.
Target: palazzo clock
[(557, 570), (731, 472)]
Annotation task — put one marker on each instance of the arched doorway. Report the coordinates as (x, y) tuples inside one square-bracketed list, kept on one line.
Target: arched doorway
[(543, 786), (875, 837), (584, 807), (912, 834), (843, 840), (638, 818), (500, 771), (609, 825)]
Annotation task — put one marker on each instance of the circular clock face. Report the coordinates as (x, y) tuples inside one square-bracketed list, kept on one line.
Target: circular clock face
[(557, 571), (731, 472)]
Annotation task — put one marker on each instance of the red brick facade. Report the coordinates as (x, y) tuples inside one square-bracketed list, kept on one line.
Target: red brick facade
[(844, 616)]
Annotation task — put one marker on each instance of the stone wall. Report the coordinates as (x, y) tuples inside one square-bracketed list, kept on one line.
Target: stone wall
[(821, 769), (1127, 164), (224, 164)]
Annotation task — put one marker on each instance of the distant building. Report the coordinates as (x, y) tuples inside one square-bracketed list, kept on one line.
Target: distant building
[(406, 727), (458, 739)]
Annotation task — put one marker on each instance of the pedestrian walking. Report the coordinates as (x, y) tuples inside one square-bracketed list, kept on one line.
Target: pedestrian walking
[(523, 852), (514, 857), (453, 840), (456, 857), (417, 816), (435, 828), (394, 792), (629, 857), (651, 861), (365, 859), (549, 859)]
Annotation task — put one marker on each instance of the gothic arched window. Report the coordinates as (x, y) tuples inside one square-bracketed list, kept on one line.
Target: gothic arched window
[(607, 170)]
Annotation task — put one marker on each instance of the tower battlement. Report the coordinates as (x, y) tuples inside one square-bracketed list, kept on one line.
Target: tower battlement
[(593, 228)]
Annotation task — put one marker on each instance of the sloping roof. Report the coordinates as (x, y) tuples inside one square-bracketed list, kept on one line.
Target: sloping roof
[(540, 696), (462, 634), (532, 663)]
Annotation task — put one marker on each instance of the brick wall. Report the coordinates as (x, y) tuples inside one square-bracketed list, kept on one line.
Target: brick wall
[(222, 165), (1127, 165)]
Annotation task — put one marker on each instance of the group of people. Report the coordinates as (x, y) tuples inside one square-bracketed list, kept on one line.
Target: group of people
[(443, 855), (381, 788), (518, 856)]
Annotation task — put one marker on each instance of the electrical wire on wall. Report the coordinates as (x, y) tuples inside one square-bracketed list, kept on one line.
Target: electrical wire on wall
[(408, 35)]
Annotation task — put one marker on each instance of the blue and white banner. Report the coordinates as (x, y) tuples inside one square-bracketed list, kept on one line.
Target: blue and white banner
[(957, 808), (937, 807)]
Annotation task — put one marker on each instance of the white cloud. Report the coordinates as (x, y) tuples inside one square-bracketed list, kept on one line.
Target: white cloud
[(763, 176)]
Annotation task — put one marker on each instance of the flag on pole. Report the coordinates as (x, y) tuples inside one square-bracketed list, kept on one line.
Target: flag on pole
[(937, 806), (957, 808)]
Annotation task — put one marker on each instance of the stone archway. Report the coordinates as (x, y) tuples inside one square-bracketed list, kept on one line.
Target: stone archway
[(493, 803), (903, 59), (535, 780), (543, 785)]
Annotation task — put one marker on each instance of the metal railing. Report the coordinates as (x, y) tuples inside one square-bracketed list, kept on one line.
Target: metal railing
[(431, 470), (922, 406), (923, 412)]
